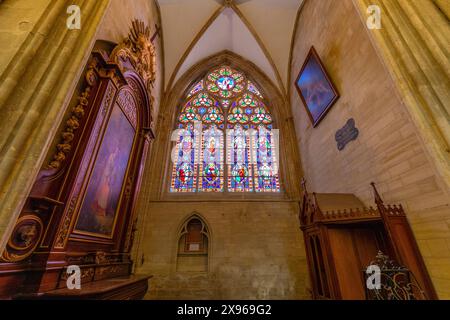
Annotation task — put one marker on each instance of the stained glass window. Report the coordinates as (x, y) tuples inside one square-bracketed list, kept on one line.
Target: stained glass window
[(240, 178), (265, 166), (225, 140), (211, 163), (184, 173)]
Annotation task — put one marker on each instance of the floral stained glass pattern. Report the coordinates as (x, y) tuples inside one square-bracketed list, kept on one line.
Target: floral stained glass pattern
[(225, 104)]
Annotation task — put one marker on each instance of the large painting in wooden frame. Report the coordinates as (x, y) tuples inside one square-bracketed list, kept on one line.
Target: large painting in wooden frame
[(315, 88), (98, 212)]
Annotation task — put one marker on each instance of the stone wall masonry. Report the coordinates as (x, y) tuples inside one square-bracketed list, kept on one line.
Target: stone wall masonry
[(256, 251), (389, 149)]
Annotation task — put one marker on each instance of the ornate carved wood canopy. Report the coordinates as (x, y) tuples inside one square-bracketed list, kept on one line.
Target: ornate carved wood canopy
[(140, 51)]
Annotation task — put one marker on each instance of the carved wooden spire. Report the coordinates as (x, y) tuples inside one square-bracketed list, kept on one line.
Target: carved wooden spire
[(378, 199)]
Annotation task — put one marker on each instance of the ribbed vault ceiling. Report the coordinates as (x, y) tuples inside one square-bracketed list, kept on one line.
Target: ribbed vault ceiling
[(258, 30)]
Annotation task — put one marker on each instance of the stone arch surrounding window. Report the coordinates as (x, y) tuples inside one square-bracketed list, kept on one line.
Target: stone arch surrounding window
[(289, 167), (193, 245)]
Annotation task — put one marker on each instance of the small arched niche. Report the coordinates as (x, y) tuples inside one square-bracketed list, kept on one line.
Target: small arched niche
[(193, 246)]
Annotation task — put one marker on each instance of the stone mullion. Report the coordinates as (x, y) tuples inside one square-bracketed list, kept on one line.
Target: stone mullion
[(402, 49), (44, 97)]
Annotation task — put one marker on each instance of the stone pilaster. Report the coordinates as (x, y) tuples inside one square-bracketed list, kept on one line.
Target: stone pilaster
[(34, 92)]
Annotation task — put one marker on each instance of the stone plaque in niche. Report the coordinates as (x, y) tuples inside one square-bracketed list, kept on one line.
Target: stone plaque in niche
[(194, 247), (348, 133)]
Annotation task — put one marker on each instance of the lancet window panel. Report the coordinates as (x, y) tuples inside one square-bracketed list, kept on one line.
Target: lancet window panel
[(226, 141)]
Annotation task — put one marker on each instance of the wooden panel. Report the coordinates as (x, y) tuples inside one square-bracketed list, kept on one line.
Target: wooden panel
[(368, 243), (346, 262), (410, 254), (122, 288)]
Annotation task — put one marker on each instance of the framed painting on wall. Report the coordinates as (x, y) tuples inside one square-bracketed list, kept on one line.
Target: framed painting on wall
[(99, 210), (315, 88)]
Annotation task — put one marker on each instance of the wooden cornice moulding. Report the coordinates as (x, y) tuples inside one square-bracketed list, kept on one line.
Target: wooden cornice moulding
[(106, 68), (312, 214), (44, 203)]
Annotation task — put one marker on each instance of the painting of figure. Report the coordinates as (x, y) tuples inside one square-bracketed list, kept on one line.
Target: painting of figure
[(99, 209), (315, 88)]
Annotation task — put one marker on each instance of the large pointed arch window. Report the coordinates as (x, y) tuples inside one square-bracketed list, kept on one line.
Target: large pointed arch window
[(226, 140)]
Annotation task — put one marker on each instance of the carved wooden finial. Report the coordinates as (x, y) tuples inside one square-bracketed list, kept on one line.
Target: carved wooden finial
[(378, 199), (139, 29), (303, 183), (140, 51)]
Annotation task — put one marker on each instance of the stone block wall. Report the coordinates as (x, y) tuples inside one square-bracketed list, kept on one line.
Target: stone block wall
[(255, 251), (388, 151)]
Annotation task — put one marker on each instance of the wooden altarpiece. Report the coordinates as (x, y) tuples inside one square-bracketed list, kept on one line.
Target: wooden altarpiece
[(342, 237), (46, 238)]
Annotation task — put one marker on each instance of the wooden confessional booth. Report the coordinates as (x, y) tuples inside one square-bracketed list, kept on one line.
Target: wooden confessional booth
[(343, 237), (81, 210)]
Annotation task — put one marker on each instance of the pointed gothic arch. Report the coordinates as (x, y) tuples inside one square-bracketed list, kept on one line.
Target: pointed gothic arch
[(290, 168), (193, 245), (226, 139)]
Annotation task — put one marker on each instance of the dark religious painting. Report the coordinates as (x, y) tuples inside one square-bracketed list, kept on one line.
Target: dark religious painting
[(315, 88), (99, 209)]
